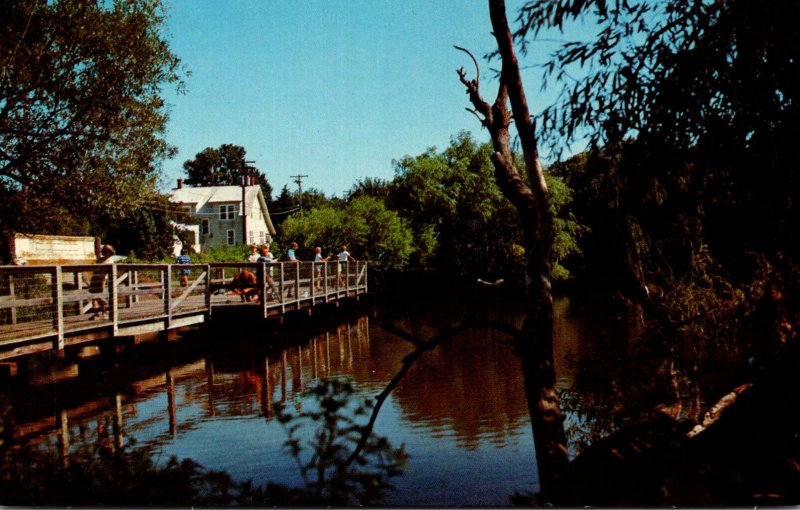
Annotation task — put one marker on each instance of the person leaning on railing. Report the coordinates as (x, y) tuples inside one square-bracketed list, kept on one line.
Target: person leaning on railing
[(344, 257), (183, 258), (267, 257), (291, 256), (318, 260)]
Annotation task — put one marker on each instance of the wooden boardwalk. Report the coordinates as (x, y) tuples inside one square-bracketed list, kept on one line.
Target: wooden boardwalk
[(51, 307)]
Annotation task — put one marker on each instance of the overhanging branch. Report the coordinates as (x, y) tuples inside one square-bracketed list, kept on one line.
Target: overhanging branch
[(423, 346)]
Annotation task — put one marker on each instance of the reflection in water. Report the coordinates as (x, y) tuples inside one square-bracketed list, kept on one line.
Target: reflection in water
[(460, 411)]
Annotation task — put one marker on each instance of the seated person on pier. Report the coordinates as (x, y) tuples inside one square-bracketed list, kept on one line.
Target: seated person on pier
[(245, 284)]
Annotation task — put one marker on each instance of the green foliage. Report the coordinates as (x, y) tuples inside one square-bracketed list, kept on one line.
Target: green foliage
[(365, 225), (236, 253), (568, 230), (462, 222), (289, 203), (370, 186), (708, 90), (81, 114), (331, 479), (224, 167), (144, 233)]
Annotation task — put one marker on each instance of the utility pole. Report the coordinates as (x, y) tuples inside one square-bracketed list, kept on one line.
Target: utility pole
[(299, 180), (243, 180)]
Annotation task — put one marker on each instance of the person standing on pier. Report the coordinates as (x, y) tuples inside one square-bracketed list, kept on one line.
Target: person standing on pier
[(254, 255), (97, 285), (267, 257), (318, 260), (344, 257), (183, 258), (291, 256)]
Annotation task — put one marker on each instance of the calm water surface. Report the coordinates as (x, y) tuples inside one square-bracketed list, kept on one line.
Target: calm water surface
[(460, 411)]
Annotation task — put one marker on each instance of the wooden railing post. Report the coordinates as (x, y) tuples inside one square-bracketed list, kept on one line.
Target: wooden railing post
[(134, 281), (263, 279), (113, 308), (208, 289), (78, 281), (167, 279), (313, 282), (297, 283), (12, 297), (280, 289), (58, 302), (325, 282)]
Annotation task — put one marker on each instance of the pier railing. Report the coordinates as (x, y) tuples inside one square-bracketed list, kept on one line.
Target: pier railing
[(42, 302)]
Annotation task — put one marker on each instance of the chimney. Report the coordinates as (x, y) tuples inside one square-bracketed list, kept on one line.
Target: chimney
[(180, 183)]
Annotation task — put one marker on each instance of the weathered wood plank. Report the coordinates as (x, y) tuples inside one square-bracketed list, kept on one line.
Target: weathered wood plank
[(147, 303)]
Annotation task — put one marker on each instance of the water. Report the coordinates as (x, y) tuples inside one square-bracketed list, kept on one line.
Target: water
[(460, 411)]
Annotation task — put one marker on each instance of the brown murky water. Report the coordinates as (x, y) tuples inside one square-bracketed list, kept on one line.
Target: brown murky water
[(460, 411)]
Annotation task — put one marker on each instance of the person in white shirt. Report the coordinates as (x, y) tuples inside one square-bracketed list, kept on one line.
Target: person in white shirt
[(318, 260), (267, 257), (253, 257), (344, 256)]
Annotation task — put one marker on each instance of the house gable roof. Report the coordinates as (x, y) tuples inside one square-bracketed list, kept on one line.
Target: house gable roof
[(209, 195)]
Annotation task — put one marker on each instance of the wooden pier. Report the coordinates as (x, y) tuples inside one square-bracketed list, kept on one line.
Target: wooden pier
[(52, 307)]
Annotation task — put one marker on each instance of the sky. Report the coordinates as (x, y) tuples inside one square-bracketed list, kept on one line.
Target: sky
[(331, 89)]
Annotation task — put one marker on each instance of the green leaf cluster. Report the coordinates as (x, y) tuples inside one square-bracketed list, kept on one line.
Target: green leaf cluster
[(224, 166), (462, 222), (365, 225), (82, 119)]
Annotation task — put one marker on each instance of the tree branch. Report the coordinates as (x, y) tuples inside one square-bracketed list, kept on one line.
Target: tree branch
[(423, 346)]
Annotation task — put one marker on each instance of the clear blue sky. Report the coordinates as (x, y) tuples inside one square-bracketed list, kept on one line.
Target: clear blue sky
[(334, 89)]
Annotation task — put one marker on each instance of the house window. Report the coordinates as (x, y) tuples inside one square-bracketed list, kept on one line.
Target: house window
[(204, 226), (252, 238), (263, 237), (231, 237), (226, 212)]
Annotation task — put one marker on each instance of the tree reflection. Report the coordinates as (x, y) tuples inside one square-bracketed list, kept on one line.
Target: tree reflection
[(331, 475), (96, 469)]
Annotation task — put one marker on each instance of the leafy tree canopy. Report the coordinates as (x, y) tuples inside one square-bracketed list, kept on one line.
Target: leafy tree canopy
[(81, 116), (692, 107), (461, 220), (224, 167), (686, 71), (370, 230)]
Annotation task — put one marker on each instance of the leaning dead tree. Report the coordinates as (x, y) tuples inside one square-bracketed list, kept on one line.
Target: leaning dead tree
[(534, 343)]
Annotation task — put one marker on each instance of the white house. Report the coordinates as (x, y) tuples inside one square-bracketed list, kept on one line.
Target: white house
[(223, 220)]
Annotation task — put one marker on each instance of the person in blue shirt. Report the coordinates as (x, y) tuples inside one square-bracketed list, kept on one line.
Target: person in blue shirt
[(291, 256), (183, 258)]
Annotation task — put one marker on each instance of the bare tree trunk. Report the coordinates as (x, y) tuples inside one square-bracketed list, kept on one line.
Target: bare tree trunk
[(535, 342)]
